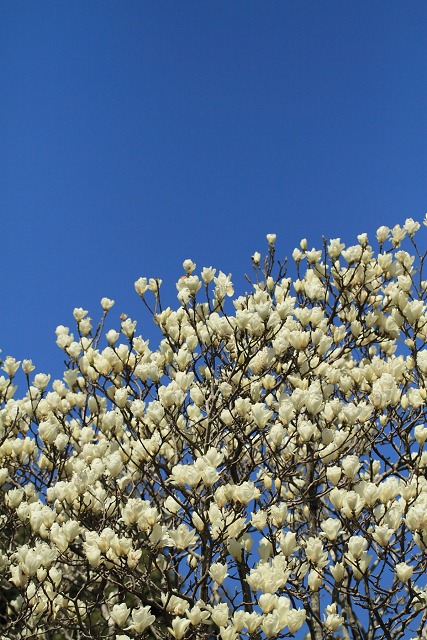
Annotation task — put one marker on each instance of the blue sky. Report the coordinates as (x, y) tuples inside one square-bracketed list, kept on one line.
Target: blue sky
[(137, 134)]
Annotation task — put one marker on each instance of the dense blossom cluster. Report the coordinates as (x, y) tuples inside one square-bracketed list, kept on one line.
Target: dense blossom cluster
[(262, 473)]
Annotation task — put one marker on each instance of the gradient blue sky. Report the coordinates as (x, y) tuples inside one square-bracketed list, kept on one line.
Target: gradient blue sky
[(137, 134)]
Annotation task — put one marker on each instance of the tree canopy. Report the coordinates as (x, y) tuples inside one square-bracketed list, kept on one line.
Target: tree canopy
[(260, 473)]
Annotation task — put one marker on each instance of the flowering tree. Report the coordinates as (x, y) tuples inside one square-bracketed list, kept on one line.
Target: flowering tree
[(262, 473)]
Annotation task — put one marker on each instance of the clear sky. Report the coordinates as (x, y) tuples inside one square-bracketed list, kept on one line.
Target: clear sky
[(136, 134)]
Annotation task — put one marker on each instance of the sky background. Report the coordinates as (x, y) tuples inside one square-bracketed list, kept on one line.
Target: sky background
[(137, 134)]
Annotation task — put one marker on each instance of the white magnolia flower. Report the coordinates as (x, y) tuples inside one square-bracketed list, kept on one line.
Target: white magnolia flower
[(141, 619), (218, 572), (403, 571), (120, 613)]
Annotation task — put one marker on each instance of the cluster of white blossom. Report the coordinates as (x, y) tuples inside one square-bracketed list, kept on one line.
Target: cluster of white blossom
[(262, 473)]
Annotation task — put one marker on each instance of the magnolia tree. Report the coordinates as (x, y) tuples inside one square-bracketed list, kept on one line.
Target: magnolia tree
[(259, 474)]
